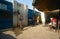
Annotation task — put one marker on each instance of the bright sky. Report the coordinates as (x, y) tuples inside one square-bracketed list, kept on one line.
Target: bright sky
[(26, 2)]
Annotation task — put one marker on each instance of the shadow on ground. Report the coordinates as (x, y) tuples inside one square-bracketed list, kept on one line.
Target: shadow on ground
[(16, 31), (6, 36)]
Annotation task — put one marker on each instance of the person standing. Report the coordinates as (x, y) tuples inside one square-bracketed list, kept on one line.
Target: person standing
[(54, 24), (50, 24)]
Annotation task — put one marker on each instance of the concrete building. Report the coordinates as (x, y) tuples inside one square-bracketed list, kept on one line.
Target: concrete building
[(20, 16)]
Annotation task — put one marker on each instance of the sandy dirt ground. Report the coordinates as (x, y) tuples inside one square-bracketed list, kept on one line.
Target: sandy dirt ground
[(36, 32)]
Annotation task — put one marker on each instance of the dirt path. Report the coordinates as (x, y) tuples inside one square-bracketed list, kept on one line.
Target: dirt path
[(38, 32)]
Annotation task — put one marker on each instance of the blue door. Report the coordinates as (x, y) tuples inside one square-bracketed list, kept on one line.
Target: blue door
[(6, 20)]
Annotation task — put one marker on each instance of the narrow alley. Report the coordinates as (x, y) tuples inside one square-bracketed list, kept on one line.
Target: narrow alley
[(29, 19)]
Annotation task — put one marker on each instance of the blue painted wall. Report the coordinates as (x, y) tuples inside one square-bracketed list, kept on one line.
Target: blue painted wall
[(30, 17), (9, 5), (30, 14), (6, 16)]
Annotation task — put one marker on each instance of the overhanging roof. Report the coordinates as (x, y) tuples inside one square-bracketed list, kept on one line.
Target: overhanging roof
[(47, 5)]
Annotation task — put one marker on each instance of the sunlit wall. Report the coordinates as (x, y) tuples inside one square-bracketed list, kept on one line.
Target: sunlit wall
[(42, 17)]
